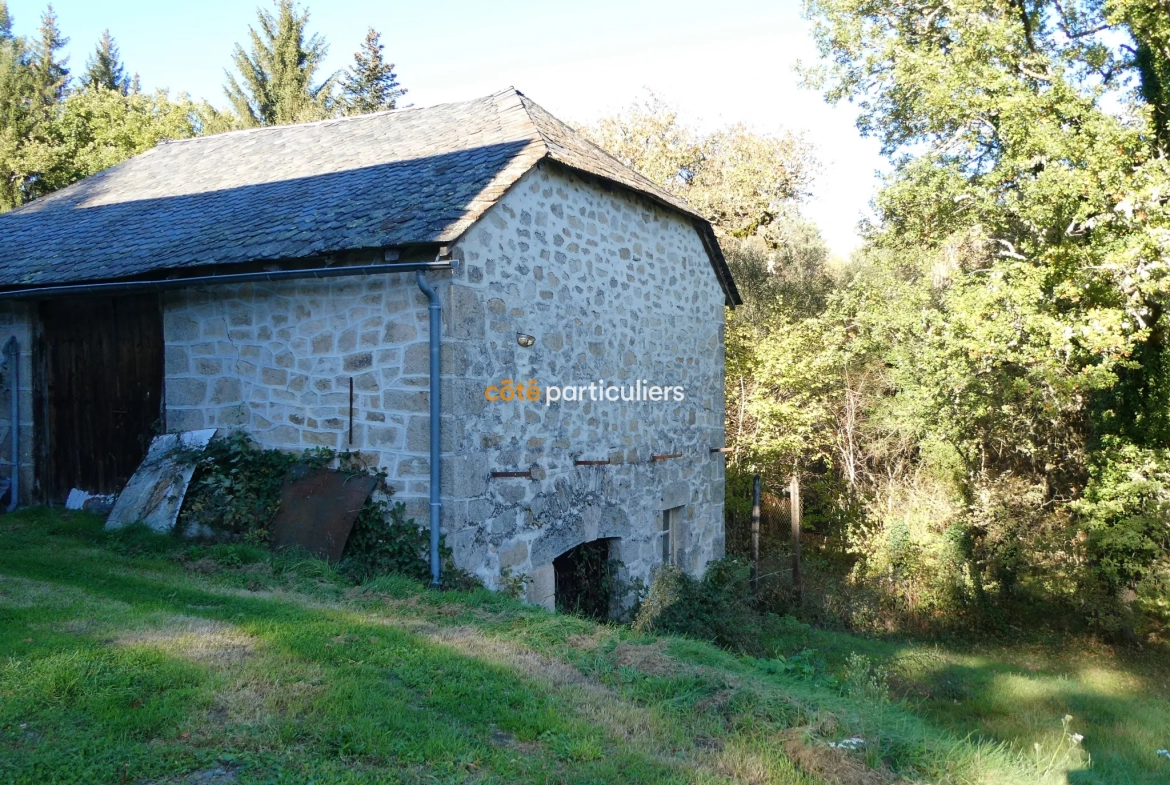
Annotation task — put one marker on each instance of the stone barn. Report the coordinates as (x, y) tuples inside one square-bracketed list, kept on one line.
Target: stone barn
[(285, 281)]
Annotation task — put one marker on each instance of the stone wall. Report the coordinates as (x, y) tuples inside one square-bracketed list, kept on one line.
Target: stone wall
[(277, 360), (611, 287)]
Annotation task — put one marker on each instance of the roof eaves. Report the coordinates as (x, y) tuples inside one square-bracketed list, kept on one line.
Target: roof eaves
[(731, 296), (648, 190)]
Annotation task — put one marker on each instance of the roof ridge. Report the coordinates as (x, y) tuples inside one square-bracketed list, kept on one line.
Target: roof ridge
[(646, 184), (523, 102), (517, 102), (339, 120)]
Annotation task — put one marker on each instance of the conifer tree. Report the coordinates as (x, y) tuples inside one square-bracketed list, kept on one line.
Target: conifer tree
[(51, 136), (104, 69), (52, 75), (5, 22), (371, 84), (277, 71)]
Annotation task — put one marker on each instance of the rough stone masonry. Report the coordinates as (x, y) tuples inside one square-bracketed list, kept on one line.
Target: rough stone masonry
[(609, 284)]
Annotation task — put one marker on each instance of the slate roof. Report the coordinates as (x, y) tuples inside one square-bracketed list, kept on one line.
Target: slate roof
[(390, 179)]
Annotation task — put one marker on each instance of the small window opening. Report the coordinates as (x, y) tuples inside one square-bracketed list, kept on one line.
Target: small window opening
[(671, 534)]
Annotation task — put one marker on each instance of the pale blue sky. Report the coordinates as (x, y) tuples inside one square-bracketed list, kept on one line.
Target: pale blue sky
[(719, 62)]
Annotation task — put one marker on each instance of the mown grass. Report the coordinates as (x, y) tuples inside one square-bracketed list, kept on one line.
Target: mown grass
[(134, 658), (1017, 693)]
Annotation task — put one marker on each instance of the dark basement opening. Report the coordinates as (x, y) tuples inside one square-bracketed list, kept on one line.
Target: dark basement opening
[(584, 580)]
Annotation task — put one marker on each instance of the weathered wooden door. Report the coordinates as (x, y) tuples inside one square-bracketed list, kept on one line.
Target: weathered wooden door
[(101, 391)]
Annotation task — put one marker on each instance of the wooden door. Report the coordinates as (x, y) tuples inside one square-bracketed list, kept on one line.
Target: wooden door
[(102, 381)]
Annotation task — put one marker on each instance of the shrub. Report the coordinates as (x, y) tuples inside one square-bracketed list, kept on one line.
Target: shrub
[(235, 493), (923, 561), (235, 490), (1152, 601), (717, 608), (384, 541), (1125, 511)]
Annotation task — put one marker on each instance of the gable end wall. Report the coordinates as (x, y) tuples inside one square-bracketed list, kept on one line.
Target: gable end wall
[(612, 287)]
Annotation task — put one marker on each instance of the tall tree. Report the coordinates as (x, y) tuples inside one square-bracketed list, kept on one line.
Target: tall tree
[(742, 180), (277, 71), (1025, 282), (22, 111), (51, 136), (15, 86), (52, 74), (5, 22), (104, 69), (371, 84)]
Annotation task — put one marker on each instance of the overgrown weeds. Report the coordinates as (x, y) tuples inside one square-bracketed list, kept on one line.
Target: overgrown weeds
[(235, 495), (717, 608), (235, 491), (912, 561)]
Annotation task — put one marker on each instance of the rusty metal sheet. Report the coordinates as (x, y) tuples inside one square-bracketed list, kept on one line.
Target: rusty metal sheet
[(317, 511)]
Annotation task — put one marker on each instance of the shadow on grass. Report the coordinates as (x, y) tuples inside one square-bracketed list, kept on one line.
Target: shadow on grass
[(1123, 717), (1018, 692), (392, 698), (1123, 724), (398, 699)]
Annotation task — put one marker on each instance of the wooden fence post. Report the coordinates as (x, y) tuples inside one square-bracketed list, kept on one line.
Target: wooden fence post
[(794, 514), (755, 532)]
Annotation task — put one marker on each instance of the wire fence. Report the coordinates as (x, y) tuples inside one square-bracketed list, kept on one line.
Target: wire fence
[(775, 526)]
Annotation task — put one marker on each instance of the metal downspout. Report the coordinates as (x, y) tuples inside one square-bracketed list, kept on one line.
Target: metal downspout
[(12, 357), (436, 321)]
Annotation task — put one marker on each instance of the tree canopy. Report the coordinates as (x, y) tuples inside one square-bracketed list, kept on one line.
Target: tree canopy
[(277, 71), (742, 180), (52, 135), (370, 85), (994, 363), (104, 69)]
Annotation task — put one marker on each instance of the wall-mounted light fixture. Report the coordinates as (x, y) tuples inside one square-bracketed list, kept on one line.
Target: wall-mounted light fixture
[(525, 340)]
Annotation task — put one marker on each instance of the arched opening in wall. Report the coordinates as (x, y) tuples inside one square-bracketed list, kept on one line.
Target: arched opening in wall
[(585, 579)]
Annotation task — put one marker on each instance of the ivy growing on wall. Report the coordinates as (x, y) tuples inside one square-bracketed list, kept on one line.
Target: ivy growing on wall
[(235, 493)]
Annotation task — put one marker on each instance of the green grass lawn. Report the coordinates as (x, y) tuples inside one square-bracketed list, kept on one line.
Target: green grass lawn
[(1019, 694), (138, 659)]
